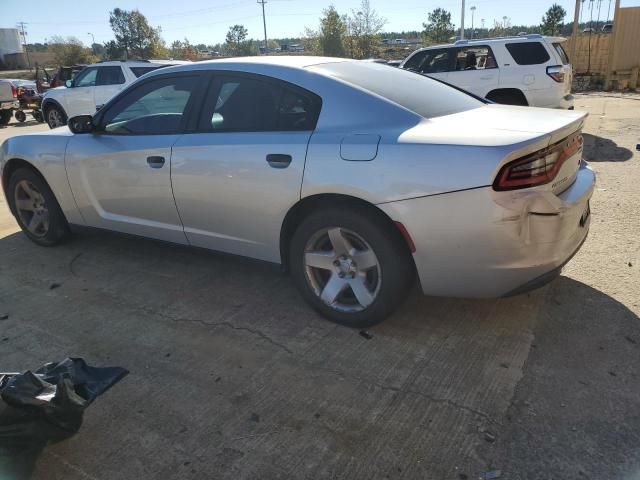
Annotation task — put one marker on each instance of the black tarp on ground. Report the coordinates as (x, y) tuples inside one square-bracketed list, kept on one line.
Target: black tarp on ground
[(45, 406)]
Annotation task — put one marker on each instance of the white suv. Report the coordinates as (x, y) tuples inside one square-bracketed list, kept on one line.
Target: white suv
[(524, 70), (92, 87)]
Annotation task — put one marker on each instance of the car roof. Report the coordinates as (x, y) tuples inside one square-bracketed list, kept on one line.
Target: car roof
[(484, 41)]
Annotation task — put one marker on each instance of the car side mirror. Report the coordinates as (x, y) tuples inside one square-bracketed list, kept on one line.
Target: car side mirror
[(81, 124), (68, 83)]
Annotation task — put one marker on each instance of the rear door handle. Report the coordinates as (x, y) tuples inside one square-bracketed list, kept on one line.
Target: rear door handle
[(155, 161), (278, 160)]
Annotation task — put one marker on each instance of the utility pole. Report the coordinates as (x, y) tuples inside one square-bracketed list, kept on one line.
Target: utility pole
[(574, 33), (473, 11), (264, 23), (462, 22), (24, 42)]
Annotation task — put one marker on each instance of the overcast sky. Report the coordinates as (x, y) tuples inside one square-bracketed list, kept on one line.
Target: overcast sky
[(207, 21)]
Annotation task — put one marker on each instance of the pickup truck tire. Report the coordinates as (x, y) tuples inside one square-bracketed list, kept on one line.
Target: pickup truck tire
[(5, 116), (55, 116)]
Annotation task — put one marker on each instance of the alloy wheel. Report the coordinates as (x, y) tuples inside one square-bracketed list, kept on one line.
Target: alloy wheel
[(31, 208), (342, 269), (55, 118)]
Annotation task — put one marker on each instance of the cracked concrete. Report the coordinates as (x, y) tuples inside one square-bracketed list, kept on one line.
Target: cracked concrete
[(234, 377)]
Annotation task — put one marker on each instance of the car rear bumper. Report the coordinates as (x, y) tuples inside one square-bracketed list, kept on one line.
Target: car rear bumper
[(483, 243), (8, 105)]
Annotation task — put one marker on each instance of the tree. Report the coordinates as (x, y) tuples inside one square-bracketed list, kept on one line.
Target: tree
[(332, 32), (134, 36), (70, 51), (552, 20), (237, 43), (439, 28), (183, 50), (363, 31)]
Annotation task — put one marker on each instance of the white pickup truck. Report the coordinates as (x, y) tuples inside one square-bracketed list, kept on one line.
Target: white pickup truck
[(8, 101)]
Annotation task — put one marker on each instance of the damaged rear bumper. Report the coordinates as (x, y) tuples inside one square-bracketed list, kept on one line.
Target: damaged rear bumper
[(483, 243)]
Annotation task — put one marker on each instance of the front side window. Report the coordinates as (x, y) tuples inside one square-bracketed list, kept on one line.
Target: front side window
[(248, 104), (436, 61), (139, 71), (86, 78), (528, 53), (475, 58), (109, 76), (154, 108), (414, 62)]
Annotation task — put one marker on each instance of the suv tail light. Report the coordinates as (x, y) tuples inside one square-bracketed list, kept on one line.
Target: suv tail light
[(538, 168), (556, 72), (14, 91)]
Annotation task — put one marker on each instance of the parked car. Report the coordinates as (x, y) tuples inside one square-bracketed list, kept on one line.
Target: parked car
[(523, 70), (350, 174), (8, 100), (92, 87), (607, 28)]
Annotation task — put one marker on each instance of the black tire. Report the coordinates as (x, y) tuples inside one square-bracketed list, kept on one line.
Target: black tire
[(57, 229), (20, 116), (396, 269), (55, 116), (38, 116), (508, 97), (5, 116)]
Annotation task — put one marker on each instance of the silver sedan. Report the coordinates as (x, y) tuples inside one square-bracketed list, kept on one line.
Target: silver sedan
[(352, 175)]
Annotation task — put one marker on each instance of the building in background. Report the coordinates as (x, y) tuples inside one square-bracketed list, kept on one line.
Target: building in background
[(12, 54)]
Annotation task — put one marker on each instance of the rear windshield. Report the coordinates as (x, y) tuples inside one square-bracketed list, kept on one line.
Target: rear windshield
[(562, 53), (418, 93), (528, 53)]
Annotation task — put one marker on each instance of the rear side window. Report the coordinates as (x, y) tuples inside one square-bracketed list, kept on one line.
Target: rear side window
[(139, 71), (109, 76), (562, 53), (250, 104), (528, 53), (475, 58)]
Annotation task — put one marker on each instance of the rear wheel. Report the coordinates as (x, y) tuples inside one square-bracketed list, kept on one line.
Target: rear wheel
[(508, 97), (55, 117), (36, 208), (20, 116), (349, 267)]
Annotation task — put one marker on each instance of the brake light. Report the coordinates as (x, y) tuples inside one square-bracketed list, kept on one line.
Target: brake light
[(556, 72), (14, 91), (538, 168)]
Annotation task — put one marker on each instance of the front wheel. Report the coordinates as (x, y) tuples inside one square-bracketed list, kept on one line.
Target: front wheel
[(20, 116), (36, 208), (351, 266), (55, 117)]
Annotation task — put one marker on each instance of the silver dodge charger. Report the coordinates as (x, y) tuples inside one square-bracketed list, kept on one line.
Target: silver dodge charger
[(352, 175)]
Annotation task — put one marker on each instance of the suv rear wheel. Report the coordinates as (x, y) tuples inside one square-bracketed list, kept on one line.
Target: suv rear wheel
[(349, 267), (55, 116), (509, 96)]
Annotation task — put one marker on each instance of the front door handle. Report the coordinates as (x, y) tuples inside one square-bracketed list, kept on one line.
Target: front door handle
[(155, 161), (278, 160)]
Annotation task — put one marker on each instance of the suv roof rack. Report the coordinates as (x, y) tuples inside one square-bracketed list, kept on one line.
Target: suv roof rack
[(528, 35), (124, 61)]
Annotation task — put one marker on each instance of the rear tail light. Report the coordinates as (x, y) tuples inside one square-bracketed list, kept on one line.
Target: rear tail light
[(556, 72), (538, 168), (14, 91)]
